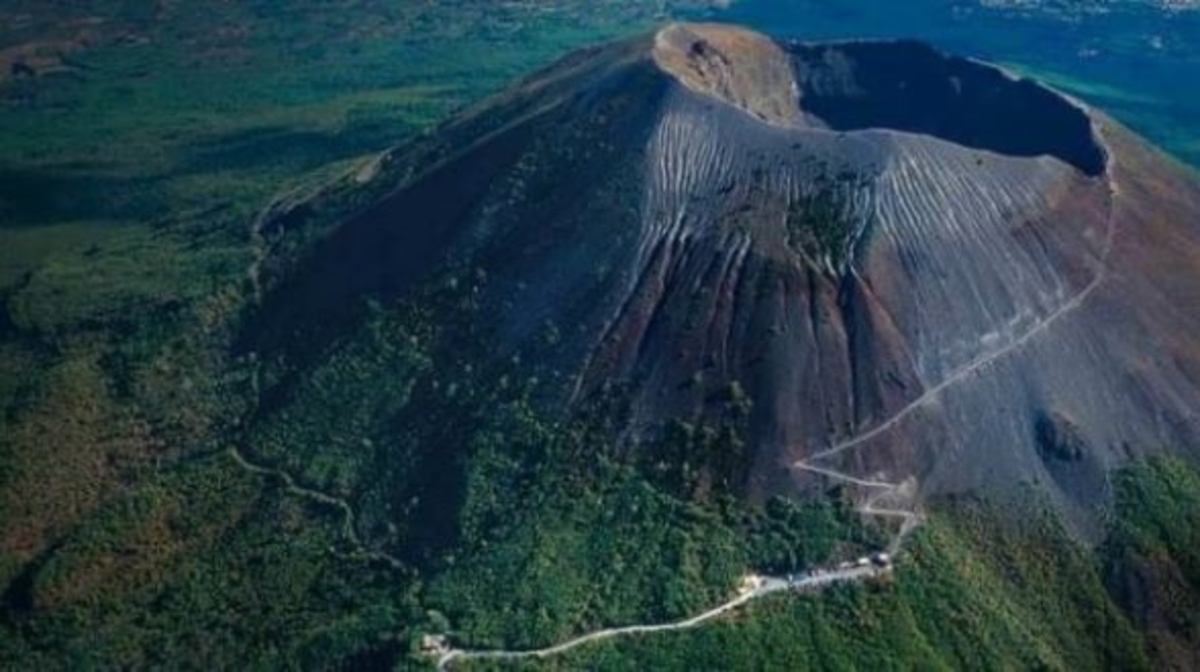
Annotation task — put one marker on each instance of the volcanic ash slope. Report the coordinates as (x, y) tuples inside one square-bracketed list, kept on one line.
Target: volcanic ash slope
[(916, 266)]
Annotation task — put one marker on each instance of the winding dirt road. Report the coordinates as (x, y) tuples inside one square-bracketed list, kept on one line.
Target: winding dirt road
[(770, 586), (349, 530)]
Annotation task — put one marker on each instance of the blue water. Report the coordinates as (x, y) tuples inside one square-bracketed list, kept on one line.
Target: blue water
[(1136, 60)]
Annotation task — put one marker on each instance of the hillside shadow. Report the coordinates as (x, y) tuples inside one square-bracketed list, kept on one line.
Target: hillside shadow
[(908, 86)]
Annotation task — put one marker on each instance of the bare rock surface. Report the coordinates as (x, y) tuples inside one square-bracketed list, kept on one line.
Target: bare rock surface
[(741, 67)]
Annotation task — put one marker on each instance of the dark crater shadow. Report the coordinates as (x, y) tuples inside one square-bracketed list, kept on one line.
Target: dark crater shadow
[(909, 86)]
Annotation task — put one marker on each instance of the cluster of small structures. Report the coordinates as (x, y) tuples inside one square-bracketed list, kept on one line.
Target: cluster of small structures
[(751, 583), (875, 565), (880, 560), (434, 645)]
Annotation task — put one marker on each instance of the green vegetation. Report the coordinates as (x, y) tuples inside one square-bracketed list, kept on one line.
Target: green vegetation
[(977, 589), (525, 530), (1152, 558), (576, 547), (518, 529), (820, 226), (200, 567), (818, 229)]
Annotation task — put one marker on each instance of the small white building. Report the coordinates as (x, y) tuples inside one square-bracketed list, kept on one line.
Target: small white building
[(750, 583), (434, 645)]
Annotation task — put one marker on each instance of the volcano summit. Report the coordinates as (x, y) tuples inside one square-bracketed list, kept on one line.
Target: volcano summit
[(911, 267)]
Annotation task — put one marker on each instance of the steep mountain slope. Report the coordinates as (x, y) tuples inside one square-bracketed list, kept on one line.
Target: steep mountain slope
[(913, 267)]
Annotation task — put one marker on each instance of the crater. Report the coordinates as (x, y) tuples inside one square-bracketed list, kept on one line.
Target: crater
[(909, 86)]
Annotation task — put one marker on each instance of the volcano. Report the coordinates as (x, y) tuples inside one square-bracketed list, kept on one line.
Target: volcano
[(915, 268)]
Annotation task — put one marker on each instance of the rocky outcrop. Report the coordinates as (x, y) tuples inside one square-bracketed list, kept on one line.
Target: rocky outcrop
[(1058, 438), (742, 68)]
